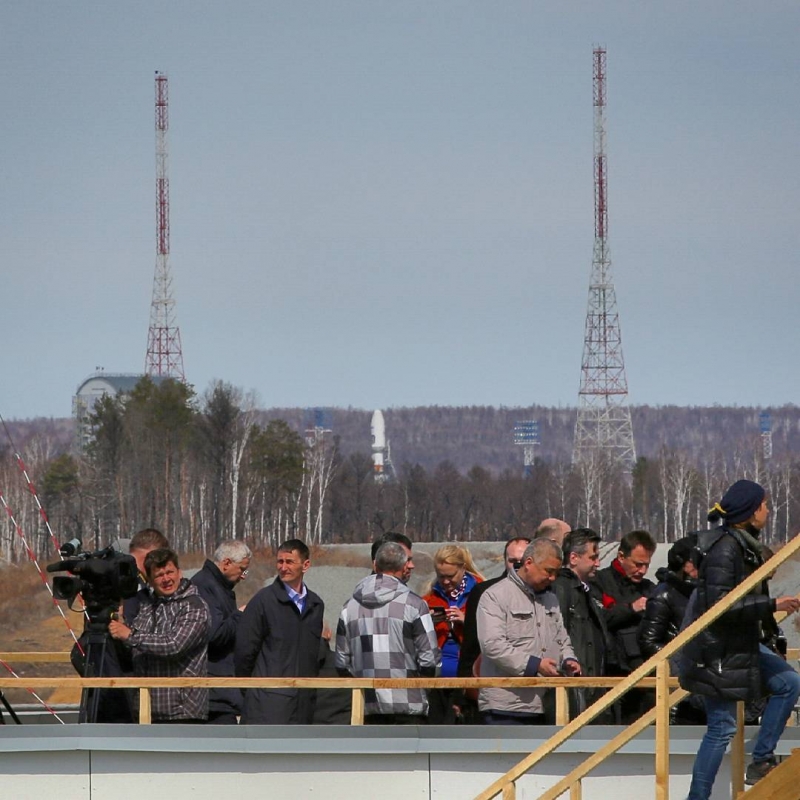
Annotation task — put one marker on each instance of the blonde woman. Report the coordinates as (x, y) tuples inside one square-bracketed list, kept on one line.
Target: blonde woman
[(456, 576)]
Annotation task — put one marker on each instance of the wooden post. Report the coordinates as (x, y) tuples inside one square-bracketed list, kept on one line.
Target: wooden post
[(144, 707), (737, 754), (510, 791), (576, 791), (662, 731), (562, 706), (357, 710)]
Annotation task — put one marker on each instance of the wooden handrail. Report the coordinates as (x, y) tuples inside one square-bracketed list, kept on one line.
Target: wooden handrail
[(608, 749), (315, 683), (58, 657), (635, 678)]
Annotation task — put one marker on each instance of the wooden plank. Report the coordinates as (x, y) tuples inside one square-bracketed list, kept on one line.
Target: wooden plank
[(714, 613), (510, 792), (608, 749), (145, 711), (24, 657), (7, 682), (357, 708), (562, 706), (662, 731), (781, 783)]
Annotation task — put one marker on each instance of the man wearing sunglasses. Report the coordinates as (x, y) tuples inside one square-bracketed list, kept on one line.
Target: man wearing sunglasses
[(470, 649)]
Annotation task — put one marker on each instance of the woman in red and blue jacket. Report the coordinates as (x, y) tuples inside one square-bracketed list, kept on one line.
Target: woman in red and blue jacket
[(456, 576)]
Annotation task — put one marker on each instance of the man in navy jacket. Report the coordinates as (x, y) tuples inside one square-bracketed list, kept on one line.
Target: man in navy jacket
[(279, 637), (215, 582)]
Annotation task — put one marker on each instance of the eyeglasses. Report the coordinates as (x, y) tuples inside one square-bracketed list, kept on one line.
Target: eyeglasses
[(244, 572), (516, 564)]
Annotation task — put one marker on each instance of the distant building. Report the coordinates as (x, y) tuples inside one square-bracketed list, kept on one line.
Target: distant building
[(90, 391)]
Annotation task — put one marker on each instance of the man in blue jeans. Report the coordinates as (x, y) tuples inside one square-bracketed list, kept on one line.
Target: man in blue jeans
[(726, 662)]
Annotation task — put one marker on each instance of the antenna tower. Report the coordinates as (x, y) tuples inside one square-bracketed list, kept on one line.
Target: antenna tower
[(164, 353), (604, 419)]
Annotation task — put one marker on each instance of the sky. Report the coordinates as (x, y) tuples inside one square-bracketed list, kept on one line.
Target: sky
[(383, 203)]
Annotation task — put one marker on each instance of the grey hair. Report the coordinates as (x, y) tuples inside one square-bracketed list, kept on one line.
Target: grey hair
[(235, 550), (391, 557), (541, 549)]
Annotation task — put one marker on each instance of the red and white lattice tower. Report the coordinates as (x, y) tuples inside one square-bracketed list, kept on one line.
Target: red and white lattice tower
[(604, 419), (164, 353)]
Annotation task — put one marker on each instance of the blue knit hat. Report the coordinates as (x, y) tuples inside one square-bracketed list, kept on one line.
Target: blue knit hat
[(739, 503)]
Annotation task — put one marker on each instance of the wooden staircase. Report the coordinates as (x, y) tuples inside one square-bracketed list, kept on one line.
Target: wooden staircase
[(783, 783)]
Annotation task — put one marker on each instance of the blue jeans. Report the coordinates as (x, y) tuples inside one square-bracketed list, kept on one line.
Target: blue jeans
[(783, 685)]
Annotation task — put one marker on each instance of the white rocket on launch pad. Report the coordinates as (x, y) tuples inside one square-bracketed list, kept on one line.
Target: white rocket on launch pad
[(378, 430)]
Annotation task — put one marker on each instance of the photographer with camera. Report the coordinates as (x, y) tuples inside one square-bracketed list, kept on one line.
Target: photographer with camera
[(169, 639), (109, 583)]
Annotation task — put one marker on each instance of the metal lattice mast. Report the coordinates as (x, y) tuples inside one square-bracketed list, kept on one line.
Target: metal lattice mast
[(164, 353), (604, 419)]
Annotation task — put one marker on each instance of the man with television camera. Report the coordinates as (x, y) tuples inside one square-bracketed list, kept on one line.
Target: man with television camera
[(169, 639), (111, 659)]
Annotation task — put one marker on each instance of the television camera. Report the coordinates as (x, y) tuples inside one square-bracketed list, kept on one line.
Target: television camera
[(104, 578)]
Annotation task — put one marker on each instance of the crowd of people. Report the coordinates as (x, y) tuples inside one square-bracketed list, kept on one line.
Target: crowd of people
[(550, 612)]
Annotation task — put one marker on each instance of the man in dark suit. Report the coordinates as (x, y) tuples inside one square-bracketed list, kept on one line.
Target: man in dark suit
[(215, 582), (279, 637)]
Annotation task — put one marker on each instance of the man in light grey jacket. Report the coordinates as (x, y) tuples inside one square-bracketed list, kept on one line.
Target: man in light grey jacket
[(522, 634)]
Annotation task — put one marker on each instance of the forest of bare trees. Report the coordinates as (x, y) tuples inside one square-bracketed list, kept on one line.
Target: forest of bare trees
[(211, 467)]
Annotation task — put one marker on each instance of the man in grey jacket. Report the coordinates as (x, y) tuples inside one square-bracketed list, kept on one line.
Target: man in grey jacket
[(386, 631), (522, 634)]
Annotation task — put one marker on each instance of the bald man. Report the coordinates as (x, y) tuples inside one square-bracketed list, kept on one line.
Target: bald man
[(553, 529)]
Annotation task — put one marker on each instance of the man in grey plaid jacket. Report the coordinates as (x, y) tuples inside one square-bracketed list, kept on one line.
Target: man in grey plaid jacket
[(169, 639), (386, 631)]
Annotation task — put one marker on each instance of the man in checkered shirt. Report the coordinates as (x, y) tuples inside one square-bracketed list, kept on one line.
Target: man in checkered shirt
[(169, 639), (386, 631)]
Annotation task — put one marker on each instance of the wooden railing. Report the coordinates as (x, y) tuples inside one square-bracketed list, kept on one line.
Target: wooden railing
[(504, 785), (356, 685), (659, 663)]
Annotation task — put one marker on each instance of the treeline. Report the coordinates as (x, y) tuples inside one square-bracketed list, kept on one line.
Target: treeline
[(211, 467)]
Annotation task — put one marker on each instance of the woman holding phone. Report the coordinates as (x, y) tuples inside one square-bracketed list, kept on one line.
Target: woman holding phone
[(456, 576)]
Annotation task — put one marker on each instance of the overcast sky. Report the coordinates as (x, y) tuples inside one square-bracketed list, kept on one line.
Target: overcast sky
[(380, 204)]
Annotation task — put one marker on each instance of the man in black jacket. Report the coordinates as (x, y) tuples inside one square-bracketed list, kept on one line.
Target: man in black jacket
[(727, 662), (582, 609), (215, 582), (625, 591), (664, 613), (279, 637), (470, 648)]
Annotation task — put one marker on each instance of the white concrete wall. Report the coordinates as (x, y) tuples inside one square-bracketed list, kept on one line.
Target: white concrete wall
[(139, 775)]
